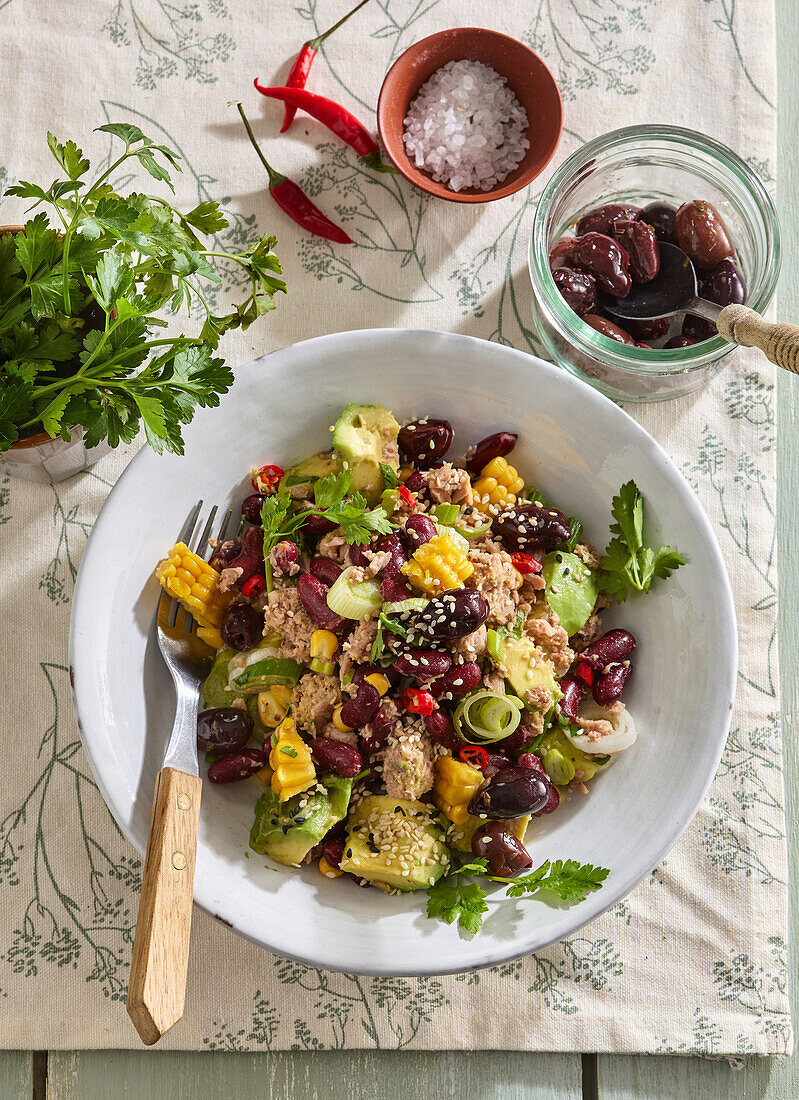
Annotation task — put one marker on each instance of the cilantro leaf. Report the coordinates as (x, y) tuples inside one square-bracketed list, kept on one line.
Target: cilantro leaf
[(390, 479), (628, 563)]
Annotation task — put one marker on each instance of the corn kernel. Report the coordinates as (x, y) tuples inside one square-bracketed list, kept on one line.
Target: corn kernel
[(454, 785), (438, 566), (324, 643), (293, 769), (499, 483), (193, 583), (211, 636), (328, 870), (337, 722), (404, 473), (378, 681), (273, 705), (264, 776)]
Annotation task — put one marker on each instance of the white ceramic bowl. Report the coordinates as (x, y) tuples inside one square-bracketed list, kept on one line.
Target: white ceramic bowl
[(573, 443)]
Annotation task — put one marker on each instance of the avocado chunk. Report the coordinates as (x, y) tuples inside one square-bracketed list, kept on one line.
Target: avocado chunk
[(571, 589), (286, 832), (380, 823), (557, 740), (308, 471), (215, 690), (365, 436), (526, 668)]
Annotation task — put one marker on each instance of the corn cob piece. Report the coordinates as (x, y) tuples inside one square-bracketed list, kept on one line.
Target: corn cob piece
[(453, 787), (438, 566), (499, 483), (193, 583), (273, 705), (293, 770)]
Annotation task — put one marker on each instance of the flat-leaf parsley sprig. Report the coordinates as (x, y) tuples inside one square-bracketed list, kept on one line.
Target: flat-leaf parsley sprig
[(628, 563), (452, 898)]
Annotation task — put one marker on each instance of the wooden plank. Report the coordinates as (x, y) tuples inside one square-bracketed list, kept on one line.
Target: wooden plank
[(16, 1075), (669, 1078), (313, 1075)]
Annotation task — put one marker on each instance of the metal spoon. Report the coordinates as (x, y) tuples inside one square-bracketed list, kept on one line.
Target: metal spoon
[(675, 290)]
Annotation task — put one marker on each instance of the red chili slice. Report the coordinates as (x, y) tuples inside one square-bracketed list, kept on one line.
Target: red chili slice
[(478, 758), (417, 702), (254, 586), (266, 479), (526, 563)]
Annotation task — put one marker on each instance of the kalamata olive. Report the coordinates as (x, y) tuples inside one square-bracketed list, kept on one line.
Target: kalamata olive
[(313, 595), (418, 530), (250, 558), (601, 220), (423, 664), (573, 690), (608, 687), (529, 525), (505, 854), (511, 793), (422, 441), (606, 260), (284, 557), (610, 649), (335, 756), (393, 590), (530, 760), (640, 241), (241, 627), (698, 328), (680, 342), (415, 482), (224, 555), (391, 545), (439, 726), (702, 234), (333, 850), (453, 615), (237, 766), (223, 730), (362, 671), (647, 330), (251, 507), (356, 554), (560, 255), (493, 446), (325, 570), (362, 708), (608, 328), (318, 525), (724, 285), (662, 217), (577, 289), (458, 680)]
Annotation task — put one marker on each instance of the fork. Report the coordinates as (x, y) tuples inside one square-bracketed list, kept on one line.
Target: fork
[(157, 985)]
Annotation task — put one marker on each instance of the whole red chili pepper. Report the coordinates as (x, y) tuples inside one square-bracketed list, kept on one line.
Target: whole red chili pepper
[(293, 200), (337, 118), (478, 758), (302, 65)]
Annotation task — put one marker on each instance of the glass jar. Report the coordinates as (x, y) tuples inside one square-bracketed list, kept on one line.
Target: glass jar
[(642, 164)]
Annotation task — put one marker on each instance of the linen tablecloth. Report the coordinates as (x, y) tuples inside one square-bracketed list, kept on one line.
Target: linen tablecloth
[(694, 960)]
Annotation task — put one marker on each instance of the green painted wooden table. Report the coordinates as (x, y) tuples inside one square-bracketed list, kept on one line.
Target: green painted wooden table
[(342, 1075)]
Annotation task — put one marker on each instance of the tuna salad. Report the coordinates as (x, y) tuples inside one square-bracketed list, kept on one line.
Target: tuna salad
[(410, 658)]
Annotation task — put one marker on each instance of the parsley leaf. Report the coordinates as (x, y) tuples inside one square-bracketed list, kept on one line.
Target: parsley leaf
[(628, 563), (378, 644), (390, 479)]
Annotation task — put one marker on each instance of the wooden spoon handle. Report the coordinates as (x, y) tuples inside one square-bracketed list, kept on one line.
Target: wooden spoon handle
[(779, 341), (157, 986)]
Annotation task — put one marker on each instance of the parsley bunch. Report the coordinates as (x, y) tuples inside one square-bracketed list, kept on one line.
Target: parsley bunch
[(452, 898), (628, 563), (79, 303)]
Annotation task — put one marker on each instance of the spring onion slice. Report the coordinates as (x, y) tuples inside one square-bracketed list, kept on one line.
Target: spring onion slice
[(494, 645), (414, 603), (353, 601), (263, 674), (484, 717), (473, 532), (452, 535), (558, 767), (447, 513)]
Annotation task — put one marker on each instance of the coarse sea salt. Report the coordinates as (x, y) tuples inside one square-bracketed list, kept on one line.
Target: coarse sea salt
[(466, 127)]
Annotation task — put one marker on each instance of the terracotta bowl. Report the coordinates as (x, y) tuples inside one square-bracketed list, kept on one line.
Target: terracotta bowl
[(526, 74)]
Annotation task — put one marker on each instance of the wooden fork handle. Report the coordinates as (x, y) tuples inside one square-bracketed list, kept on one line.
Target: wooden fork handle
[(779, 341), (157, 986)]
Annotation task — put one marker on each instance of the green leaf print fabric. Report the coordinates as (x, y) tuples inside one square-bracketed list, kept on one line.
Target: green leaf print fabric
[(694, 960)]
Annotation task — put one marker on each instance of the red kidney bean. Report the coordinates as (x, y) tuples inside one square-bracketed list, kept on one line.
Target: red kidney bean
[(610, 649), (608, 328), (313, 595), (647, 330), (505, 854), (641, 243), (493, 446), (606, 260), (724, 285), (423, 664), (459, 680), (418, 530), (357, 556), (601, 220), (681, 342), (223, 556), (495, 762), (318, 525), (512, 792), (237, 766), (573, 690), (391, 544), (453, 615), (284, 556), (577, 289), (415, 482), (520, 737), (423, 441), (251, 507), (361, 709), (333, 850), (250, 558), (608, 687), (702, 234), (531, 525), (325, 570), (335, 756), (223, 730), (375, 733), (439, 726), (561, 254), (393, 590), (242, 626), (662, 217), (551, 803), (530, 760)]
